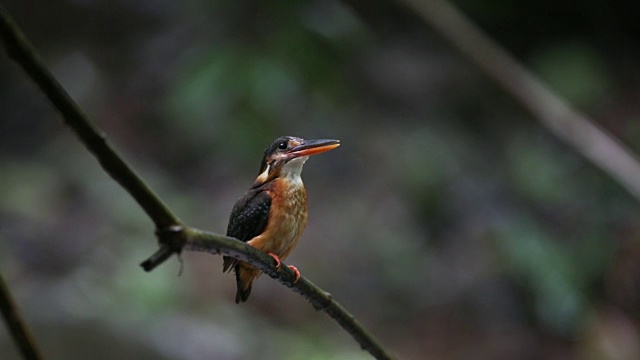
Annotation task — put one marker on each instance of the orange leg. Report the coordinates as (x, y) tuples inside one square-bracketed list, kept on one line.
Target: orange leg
[(295, 270)]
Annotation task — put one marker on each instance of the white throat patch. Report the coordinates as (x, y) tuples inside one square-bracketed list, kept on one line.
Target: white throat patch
[(293, 168)]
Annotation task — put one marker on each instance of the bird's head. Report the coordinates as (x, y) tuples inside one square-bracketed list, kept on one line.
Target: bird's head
[(286, 155)]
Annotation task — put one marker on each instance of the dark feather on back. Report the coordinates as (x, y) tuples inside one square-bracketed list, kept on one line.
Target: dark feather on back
[(248, 218)]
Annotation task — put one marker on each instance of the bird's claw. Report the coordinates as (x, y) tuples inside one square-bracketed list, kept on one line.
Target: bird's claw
[(296, 272), (276, 258)]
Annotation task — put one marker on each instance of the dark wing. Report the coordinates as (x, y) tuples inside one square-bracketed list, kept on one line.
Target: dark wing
[(249, 215), (248, 218)]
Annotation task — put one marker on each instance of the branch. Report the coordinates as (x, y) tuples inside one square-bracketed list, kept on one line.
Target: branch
[(574, 128), (21, 50), (18, 328), (198, 240), (172, 234)]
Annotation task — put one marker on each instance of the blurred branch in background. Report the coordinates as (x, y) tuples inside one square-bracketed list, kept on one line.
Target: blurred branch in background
[(576, 129), (16, 325), (173, 235)]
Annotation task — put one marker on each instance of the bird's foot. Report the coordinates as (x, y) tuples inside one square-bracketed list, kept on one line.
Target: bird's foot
[(296, 272), (276, 258)]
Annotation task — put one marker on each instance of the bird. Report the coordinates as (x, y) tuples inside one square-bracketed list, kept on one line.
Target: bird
[(272, 214)]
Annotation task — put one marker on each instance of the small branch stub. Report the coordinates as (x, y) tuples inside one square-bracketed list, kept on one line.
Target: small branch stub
[(172, 240)]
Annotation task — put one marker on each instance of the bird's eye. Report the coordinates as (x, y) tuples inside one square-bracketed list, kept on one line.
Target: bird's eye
[(282, 146)]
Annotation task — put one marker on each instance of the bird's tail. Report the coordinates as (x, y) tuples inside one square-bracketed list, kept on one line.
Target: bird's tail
[(245, 275)]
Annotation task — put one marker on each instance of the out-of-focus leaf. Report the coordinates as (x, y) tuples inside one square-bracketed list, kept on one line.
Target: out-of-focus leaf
[(552, 273), (575, 70)]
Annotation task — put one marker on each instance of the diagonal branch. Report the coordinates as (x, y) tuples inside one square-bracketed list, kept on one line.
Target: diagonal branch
[(16, 325), (198, 240), (576, 129), (172, 234), (21, 50)]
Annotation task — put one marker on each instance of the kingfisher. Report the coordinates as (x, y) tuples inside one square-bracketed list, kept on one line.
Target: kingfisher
[(273, 213)]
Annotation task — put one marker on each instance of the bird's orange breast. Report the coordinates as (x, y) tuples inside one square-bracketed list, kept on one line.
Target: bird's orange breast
[(287, 218)]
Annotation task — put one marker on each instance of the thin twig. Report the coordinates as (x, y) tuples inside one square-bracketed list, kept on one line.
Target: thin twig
[(172, 234), (16, 325), (576, 129)]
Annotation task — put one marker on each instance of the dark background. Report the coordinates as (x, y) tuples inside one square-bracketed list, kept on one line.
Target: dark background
[(449, 222)]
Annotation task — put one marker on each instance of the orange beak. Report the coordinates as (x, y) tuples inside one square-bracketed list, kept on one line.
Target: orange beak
[(312, 147)]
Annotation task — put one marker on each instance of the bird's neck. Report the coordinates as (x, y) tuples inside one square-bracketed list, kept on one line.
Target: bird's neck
[(292, 170), (289, 172)]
